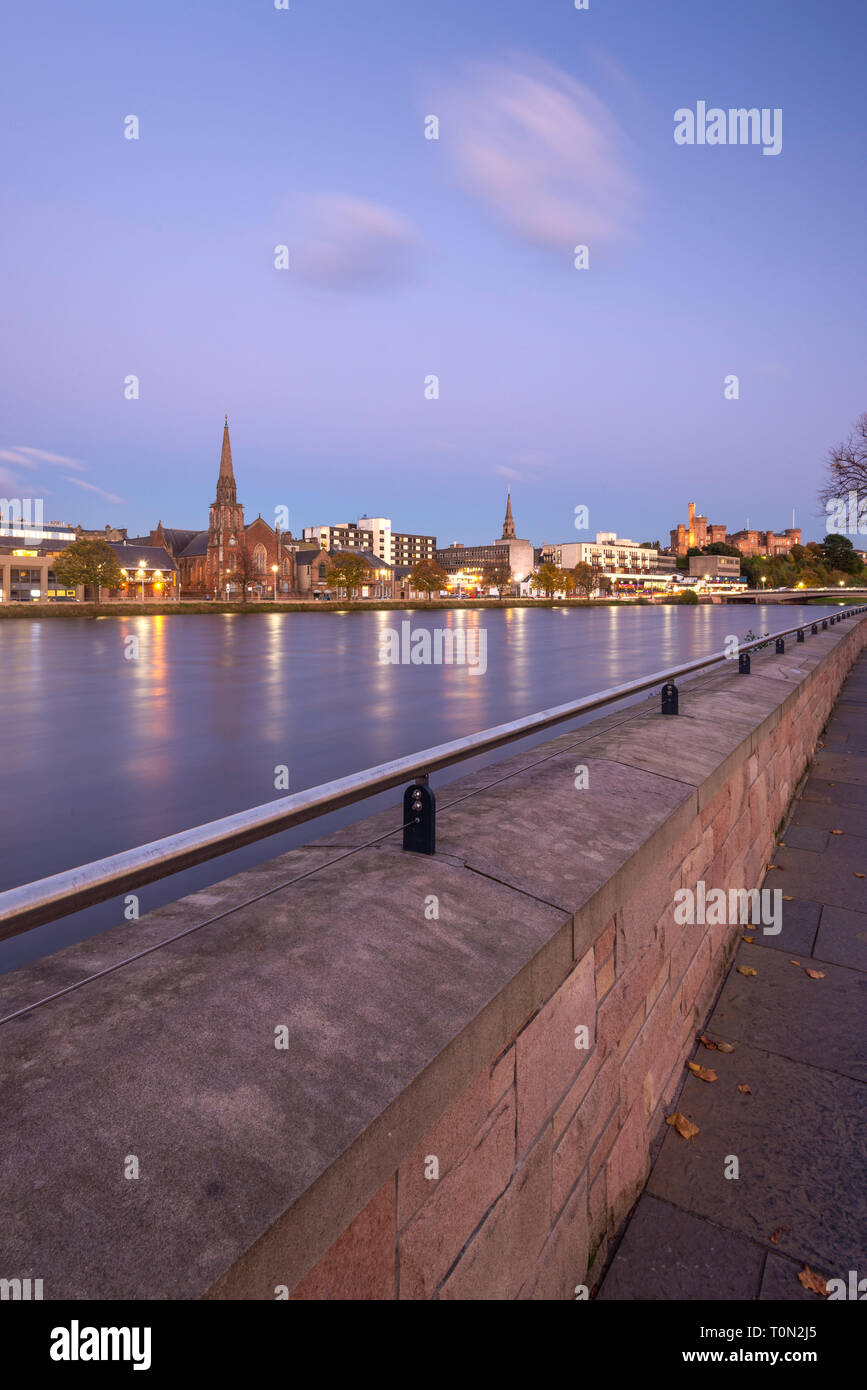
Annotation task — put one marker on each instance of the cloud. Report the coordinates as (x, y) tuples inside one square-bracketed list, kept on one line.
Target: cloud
[(349, 243), (16, 456), (543, 152), (79, 482), (40, 456)]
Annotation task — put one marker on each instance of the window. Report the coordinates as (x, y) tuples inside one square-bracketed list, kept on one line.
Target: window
[(260, 558)]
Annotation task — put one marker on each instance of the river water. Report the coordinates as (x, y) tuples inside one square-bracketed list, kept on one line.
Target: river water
[(109, 742)]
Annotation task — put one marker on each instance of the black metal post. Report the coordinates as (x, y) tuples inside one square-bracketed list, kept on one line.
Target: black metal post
[(781, 646), (801, 637), (824, 624), (814, 629), (744, 664), (669, 698), (419, 819)]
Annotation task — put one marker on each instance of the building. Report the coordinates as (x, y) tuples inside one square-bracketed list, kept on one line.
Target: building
[(697, 533), (467, 563), (373, 534), (715, 566), (27, 573), (620, 560), (765, 542), (232, 559)]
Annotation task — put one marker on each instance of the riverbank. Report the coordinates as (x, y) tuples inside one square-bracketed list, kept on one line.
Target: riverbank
[(186, 606)]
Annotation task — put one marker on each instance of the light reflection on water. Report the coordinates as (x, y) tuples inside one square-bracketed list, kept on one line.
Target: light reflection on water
[(102, 753)]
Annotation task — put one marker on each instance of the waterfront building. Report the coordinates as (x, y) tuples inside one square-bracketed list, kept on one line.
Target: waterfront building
[(620, 560), (466, 563), (376, 535), (715, 566), (699, 533)]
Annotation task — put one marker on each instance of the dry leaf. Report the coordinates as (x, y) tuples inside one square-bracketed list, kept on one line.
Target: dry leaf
[(787, 897), (775, 866), (794, 962), (815, 974), (745, 1090), (836, 832), (749, 939), (685, 1128), (775, 1238), (703, 1073), (782, 845), (812, 1281), (746, 970), (861, 875), (716, 1046)]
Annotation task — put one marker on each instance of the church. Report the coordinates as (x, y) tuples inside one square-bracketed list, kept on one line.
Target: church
[(233, 559)]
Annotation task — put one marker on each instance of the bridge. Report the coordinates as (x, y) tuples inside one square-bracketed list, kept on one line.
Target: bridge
[(837, 595)]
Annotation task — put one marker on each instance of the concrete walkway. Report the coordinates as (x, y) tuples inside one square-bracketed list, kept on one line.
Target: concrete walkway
[(800, 1134)]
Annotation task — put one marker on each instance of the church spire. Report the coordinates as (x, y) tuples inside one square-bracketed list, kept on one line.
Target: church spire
[(509, 523), (226, 493)]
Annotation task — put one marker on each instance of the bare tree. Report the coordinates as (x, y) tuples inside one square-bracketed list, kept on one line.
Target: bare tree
[(847, 466)]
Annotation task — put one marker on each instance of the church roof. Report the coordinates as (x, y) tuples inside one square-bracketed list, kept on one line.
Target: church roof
[(155, 557), (198, 545), (176, 540)]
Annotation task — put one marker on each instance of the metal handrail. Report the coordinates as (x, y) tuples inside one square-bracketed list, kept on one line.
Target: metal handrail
[(44, 900)]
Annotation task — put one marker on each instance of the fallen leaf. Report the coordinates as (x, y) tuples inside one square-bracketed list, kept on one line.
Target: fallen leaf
[(812, 1281), (775, 1238), (745, 1090), (815, 974), (861, 875), (787, 897), (836, 832), (703, 1073), (775, 866), (749, 939), (794, 962), (685, 1128), (782, 845), (715, 1046), (746, 970)]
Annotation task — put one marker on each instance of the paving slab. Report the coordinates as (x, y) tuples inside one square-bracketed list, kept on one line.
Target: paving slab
[(800, 922), (825, 815), (818, 1022), (830, 877), (842, 938), (780, 1281), (799, 1139), (667, 1254)]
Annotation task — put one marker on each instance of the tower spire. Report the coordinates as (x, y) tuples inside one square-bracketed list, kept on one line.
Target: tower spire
[(509, 523), (226, 490)]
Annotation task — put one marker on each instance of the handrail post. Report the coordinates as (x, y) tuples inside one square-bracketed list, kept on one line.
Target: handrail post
[(670, 698), (419, 817), (744, 664)]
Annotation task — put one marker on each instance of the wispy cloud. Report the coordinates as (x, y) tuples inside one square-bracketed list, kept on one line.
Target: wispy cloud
[(40, 456), (79, 482), (348, 243), (543, 152)]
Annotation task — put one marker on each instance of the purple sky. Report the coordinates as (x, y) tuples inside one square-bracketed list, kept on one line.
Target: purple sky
[(409, 257)]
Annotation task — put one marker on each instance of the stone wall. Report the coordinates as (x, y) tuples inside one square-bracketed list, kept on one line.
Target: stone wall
[(541, 1158)]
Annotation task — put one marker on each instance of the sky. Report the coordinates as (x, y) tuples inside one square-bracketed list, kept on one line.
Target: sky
[(412, 258)]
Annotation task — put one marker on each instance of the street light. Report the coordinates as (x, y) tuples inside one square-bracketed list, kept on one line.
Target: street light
[(274, 571)]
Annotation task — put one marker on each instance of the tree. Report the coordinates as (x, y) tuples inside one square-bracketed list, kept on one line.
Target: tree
[(688, 596), (242, 572), (92, 563), (547, 579), (840, 553), (585, 578), (719, 548), (348, 572), (428, 577), (847, 471), (497, 575)]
